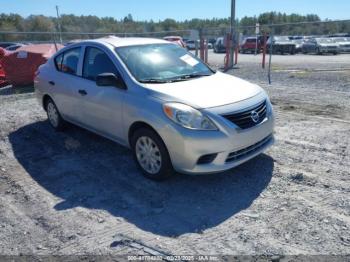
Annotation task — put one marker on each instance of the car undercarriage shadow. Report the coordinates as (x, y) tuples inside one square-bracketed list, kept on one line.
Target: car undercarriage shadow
[(88, 171)]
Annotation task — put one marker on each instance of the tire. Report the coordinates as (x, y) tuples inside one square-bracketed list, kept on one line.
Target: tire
[(318, 52), (54, 116), (160, 167), (292, 51)]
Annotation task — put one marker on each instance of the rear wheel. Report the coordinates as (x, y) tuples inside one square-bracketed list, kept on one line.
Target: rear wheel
[(151, 154), (318, 51), (53, 115)]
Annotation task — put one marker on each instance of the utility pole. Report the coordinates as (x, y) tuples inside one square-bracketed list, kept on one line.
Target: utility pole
[(59, 24), (232, 31)]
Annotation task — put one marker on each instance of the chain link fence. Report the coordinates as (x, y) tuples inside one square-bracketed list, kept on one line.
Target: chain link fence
[(272, 50)]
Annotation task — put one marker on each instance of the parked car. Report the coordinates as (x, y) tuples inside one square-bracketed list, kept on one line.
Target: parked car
[(344, 44), (3, 81), (212, 41), (249, 45), (220, 45), (170, 108), (281, 45), (298, 45), (320, 46), (6, 44), (14, 47), (176, 40), (191, 44)]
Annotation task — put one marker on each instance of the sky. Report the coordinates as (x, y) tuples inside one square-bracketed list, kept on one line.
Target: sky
[(177, 9)]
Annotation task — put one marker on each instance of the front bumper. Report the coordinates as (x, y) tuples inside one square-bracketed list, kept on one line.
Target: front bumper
[(232, 145), (345, 49), (329, 50)]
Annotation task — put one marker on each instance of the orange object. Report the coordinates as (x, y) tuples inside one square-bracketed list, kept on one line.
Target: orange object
[(20, 66), (228, 47), (264, 51), (236, 55), (168, 111)]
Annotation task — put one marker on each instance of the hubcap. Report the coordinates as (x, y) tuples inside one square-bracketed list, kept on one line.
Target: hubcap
[(148, 155), (52, 114)]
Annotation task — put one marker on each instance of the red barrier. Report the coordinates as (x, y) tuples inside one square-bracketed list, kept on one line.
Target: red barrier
[(201, 46), (3, 81), (236, 54), (20, 66), (206, 51), (228, 47)]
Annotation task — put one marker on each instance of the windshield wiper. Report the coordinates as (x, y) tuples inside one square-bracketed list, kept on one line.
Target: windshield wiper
[(153, 81), (176, 79), (188, 76)]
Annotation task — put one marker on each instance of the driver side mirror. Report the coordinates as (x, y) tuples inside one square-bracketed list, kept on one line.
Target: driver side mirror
[(109, 79)]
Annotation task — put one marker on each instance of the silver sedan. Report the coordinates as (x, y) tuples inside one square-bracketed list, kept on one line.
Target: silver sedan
[(170, 108)]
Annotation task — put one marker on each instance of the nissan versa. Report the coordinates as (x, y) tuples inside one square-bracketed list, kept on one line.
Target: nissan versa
[(171, 109)]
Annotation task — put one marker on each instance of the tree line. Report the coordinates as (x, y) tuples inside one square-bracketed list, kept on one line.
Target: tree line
[(127, 25)]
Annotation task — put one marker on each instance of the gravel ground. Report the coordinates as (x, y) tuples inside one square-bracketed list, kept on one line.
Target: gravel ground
[(77, 193)]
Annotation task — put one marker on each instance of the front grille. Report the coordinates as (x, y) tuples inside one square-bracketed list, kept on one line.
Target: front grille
[(237, 155), (245, 120)]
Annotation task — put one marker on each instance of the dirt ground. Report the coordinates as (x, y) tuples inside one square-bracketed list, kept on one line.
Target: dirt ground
[(77, 193)]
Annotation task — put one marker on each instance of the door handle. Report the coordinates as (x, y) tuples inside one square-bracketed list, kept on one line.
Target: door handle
[(52, 83), (82, 92)]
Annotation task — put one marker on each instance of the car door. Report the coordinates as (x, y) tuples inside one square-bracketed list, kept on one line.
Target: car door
[(103, 105), (310, 46), (65, 84), (313, 46)]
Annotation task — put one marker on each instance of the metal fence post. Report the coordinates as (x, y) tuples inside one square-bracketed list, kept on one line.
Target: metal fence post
[(270, 59), (264, 50)]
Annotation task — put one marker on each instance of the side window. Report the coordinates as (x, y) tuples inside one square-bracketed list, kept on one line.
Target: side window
[(70, 61), (97, 62), (58, 62)]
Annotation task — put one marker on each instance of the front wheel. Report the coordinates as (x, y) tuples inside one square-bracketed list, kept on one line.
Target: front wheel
[(151, 154)]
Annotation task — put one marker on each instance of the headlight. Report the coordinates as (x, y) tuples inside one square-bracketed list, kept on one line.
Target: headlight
[(188, 117)]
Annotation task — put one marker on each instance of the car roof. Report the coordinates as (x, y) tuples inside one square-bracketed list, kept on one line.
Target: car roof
[(127, 41), (172, 36)]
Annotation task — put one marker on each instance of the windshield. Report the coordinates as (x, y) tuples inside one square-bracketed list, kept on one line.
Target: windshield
[(281, 38), (325, 40), (341, 40), (298, 41), (160, 63)]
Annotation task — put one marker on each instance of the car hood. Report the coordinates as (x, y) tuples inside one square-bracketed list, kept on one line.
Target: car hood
[(206, 92), (283, 43)]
